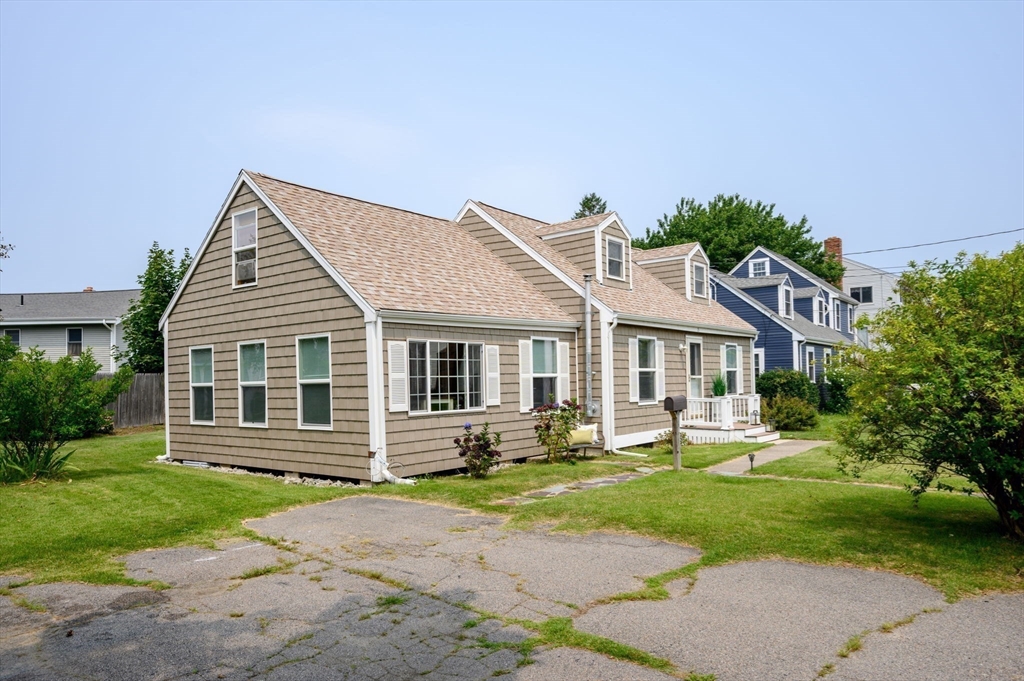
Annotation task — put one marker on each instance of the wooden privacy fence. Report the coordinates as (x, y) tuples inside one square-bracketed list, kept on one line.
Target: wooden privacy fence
[(140, 405)]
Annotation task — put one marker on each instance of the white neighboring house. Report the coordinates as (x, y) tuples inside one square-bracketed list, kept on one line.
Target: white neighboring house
[(63, 324), (874, 289)]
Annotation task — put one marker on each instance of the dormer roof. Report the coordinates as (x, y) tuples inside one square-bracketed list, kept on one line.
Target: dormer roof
[(588, 222), (649, 255), (803, 271)]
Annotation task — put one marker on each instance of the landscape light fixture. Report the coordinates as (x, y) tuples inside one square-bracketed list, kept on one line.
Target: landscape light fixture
[(751, 457)]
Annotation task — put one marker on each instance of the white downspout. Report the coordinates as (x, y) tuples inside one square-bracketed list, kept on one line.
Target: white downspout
[(375, 393), (587, 319)]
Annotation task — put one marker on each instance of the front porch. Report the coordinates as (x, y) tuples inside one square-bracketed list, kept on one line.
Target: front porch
[(730, 418)]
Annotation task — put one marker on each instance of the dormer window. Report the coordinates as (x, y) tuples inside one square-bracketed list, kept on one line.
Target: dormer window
[(616, 258), (822, 312), (837, 323), (700, 287), (759, 268), (787, 302), (243, 228)]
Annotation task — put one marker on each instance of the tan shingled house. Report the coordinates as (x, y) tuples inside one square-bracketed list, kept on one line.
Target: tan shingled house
[(320, 334)]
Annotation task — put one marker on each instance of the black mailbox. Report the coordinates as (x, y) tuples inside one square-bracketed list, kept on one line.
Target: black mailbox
[(675, 403)]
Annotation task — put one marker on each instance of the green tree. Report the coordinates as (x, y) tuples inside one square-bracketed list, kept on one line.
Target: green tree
[(44, 405), (591, 204), (943, 391), (730, 227), (145, 343)]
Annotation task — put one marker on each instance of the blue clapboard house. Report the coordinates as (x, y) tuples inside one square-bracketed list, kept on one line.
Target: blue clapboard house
[(800, 317)]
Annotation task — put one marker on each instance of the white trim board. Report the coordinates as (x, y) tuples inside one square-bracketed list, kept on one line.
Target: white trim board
[(473, 321)]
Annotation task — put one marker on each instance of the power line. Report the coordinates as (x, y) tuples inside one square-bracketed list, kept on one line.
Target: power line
[(934, 243)]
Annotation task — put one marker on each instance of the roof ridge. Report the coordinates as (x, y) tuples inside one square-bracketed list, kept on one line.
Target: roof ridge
[(344, 196), (64, 293), (519, 215)]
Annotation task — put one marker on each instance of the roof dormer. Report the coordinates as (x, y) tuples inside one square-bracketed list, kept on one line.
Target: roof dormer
[(598, 244)]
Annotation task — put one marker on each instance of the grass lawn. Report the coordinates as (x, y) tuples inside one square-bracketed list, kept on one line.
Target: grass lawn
[(825, 430), (120, 502), (692, 456), (819, 464)]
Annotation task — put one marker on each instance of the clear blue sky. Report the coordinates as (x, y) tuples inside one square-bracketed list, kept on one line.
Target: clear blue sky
[(126, 123)]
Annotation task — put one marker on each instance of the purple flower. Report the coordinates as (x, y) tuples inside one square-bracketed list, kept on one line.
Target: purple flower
[(467, 425), (458, 441)]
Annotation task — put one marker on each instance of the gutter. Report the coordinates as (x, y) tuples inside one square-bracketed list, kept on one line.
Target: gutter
[(659, 322)]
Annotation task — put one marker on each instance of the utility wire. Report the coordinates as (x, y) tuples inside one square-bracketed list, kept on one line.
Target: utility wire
[(934, 243)]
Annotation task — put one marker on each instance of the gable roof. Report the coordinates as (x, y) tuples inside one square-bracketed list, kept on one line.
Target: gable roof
[(757, 282), (405, 261), (798, 324), (806, 292), (798, 268), (649, 297), (663, 253), (572, 225), (78, 306)]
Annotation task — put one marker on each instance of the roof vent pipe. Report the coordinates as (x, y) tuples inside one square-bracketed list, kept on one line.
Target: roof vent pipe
[(22, 299), (587, 319), (87, 289)]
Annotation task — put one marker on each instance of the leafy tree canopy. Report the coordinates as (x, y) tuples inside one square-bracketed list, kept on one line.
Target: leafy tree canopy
[(591, 204), (730, 227), (145, 343), (943, 391)]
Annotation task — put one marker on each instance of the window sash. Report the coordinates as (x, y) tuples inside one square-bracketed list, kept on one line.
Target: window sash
[(252, 383), (442, 383), (731, 369), (836, 318), (313, 369), (619, 260), (787, 295), (647, 368), (699, 280), (759, 268), (75, 341), (244, 242)]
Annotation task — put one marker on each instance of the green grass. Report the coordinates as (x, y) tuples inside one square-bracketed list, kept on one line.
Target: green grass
[(825, 430), (692, 456), (119, 502), (820, 464)]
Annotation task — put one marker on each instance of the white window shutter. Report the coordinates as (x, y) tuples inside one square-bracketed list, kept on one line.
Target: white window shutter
[(398, 376), (721, 359), (634, 371), (563, 371), (493, 376), (659, 374), (525, 375), (739, 369)]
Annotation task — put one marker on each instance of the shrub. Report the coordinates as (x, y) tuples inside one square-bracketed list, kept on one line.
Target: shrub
[(665, 439), (718, 385), (787, 383), (790, 413), (480, 450), (44, 404), (835, 392), (555, 423)]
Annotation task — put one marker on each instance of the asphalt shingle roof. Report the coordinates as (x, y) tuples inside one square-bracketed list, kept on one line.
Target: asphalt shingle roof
[(76, 306), (400, 260), (805, 292), (649, 296), (810, 275), (570, 225), (663, 252)]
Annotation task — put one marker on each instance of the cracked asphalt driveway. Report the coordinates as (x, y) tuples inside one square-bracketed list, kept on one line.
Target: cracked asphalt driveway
[(374, 588)]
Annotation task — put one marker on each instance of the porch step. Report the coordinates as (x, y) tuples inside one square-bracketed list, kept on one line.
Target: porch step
[(762, 437)]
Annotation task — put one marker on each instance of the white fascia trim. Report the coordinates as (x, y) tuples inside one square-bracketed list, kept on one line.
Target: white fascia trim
[(7, 322), (753, 302), (473, 321), (633, 439), (243, 178), (667, 258), (571, 232), (614, 218), (744, 260), (689, 327), (541, 260)]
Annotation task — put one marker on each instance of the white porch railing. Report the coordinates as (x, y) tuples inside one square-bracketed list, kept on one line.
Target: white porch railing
[(722, 412)]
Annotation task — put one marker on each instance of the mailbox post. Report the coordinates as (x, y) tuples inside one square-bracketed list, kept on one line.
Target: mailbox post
[(675, 405)]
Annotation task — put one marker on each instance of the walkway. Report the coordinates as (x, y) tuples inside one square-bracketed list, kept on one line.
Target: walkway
[(780, 450)]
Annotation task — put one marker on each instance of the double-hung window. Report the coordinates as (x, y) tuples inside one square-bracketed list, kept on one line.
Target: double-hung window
[(700, 275), (252, 383), (616, 249), (14, 335), (850, 311), (244, 235), (759, 268), (696, 368), (445, 376), (647, 366), (822, 312), (314, 362), (787, 302), (862, 294), (810, 365), (201, 383), (731, 369), (646, 370), (543, 372), (74, 342), (837, 322)]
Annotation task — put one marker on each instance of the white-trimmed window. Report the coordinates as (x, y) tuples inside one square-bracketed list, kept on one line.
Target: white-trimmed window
[(14, 335), (243, 240), (646, 370), (759, 268), (850, 314), (74, 342), (200, 366), (732, 368), (543, 372), (700, 280), (252, 384), (445, 376), (787, 302), (810, 365), (758, 360), (616, 258), (862, 294), (695, 367), (837, 321), (826, 362), (821, 312), (314, 375)]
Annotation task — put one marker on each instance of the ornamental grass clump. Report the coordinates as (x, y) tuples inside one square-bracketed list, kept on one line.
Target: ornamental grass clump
[(555, 423), (480, 450)]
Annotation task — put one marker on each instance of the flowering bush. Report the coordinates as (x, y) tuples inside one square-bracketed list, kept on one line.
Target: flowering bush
[(555, 423), (480, 450)]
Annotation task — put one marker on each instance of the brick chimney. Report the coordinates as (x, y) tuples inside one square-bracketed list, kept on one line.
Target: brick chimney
[(87, 289), (834, 245)]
